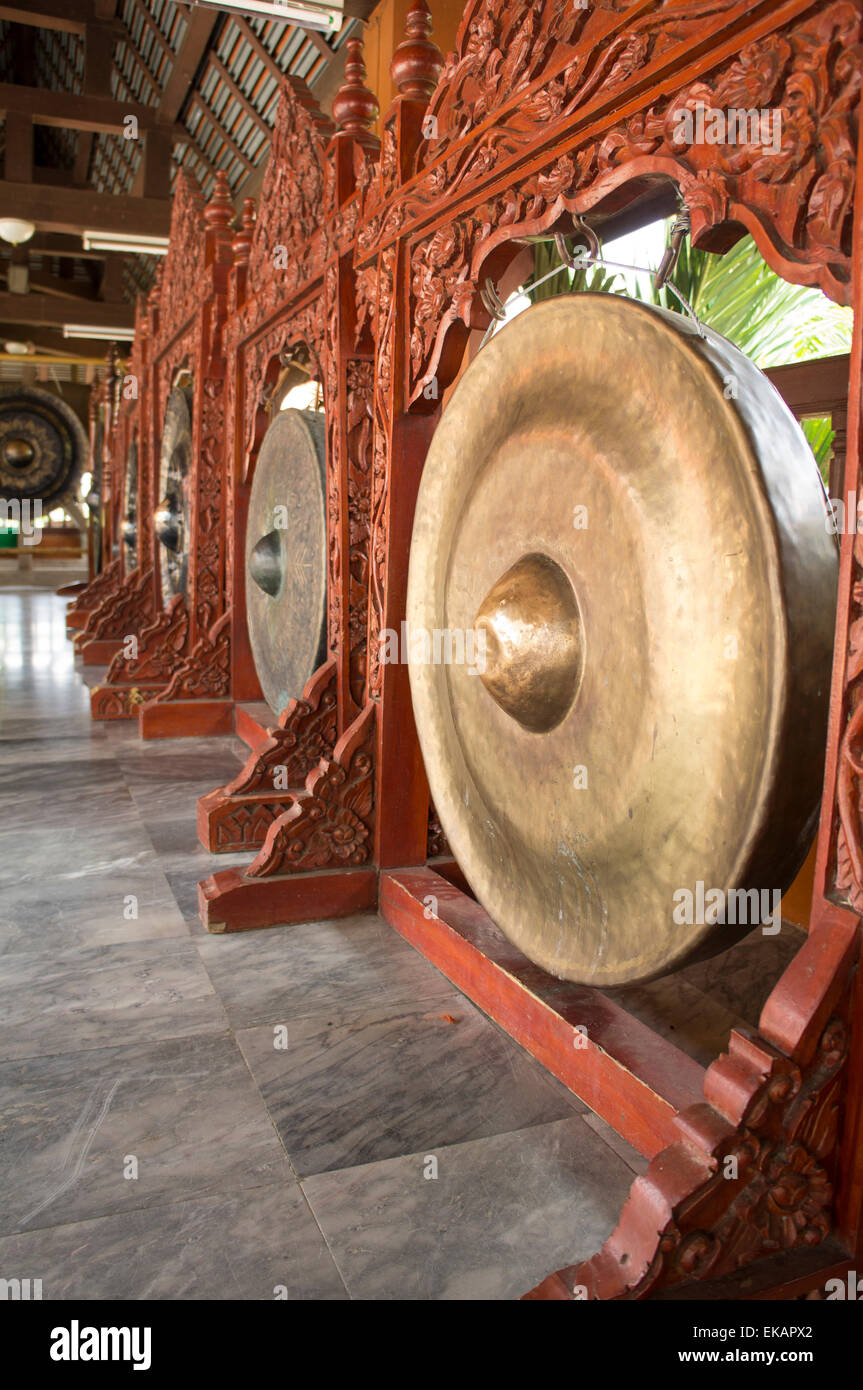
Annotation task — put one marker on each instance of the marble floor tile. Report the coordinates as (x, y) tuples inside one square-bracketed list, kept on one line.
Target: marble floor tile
[(186, 1110), (108, 804), (631, 1157), (315, 967), (179, 851), (91, 910), (60, 751), (162, 800), (501, 1214), (694, 1021), (29, 775), (232, 1245), (27, 856), (396, 1081), (742, 977), (66, 1000)]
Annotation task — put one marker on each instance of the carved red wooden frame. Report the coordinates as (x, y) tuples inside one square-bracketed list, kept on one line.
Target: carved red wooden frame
[(544, 113), (180, 327)]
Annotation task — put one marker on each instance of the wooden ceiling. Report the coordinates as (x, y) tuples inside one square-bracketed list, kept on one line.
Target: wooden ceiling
[(202, 85)]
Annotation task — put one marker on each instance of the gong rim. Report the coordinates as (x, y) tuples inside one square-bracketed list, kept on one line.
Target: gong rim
[(566, 880), (286, 585)]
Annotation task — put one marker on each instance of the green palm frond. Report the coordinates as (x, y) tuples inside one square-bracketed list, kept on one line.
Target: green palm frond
[(737, 294)]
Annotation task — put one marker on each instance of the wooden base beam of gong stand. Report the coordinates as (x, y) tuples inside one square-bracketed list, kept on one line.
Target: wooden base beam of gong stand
[(755, 1182)]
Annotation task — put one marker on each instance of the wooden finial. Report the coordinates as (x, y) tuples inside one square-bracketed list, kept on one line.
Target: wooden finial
[(417, 61), (245, 232), (355, 108), (219, 211)]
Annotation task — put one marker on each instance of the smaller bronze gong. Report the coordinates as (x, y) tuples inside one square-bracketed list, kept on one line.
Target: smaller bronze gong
[(129, 525), (171, 517), (286, 556)]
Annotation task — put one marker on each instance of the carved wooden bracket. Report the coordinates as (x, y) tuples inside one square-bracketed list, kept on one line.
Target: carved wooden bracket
[(240, 814), (330, 823)]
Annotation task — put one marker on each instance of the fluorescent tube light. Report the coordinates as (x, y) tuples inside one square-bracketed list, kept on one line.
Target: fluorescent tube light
[(126, 241), (326, 17), (89, 330)]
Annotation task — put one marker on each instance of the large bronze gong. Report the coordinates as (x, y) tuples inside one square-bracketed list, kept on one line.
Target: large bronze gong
[(172, 515), (43, 447), (286, 555), (628, 523)]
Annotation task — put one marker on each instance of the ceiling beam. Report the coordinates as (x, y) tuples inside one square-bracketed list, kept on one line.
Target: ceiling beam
[(150, 24), (67, 110), (218, 66), (76, 210), (52, 244), (255, 44), (98, 64), (69, 16), (44, 311), (41, 282), (221, 132), (199, 29)]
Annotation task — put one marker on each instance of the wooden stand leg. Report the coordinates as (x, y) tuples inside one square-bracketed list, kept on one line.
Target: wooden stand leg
[(186, 718), (229, 901)]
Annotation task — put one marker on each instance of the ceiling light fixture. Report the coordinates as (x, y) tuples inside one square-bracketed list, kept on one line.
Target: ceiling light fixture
[(89, 330), (126, 242), (15, 230), (19, 349), (325, 17)]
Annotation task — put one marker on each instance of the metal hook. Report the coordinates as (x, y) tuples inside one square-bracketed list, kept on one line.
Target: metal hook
[(492, 302), (681, 229), (592, 251)]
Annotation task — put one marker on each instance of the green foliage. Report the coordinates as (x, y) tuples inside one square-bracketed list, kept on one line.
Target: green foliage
[(819, 431), (740, 297)]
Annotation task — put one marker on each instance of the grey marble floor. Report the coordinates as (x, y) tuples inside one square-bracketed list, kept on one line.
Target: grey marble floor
[(311, 1111)]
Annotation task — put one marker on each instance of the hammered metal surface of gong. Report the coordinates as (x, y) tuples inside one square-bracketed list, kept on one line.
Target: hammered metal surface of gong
[(286, 556), (172, 515), (648, 563), (43, 446)]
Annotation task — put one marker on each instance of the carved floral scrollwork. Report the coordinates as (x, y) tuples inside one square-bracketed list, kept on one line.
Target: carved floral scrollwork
[(306, 732), (161, 645), (288, 246), (732, 1192), (205, 674), (103, 586), (796, 199), (208, 578), (123, 612), (378, 542), (330, 823), (182, 279)]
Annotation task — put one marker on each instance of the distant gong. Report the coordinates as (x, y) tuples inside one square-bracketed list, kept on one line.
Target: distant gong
[(43, 446), (172, 516), (286, 556), (620, 605), (129, 525)]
